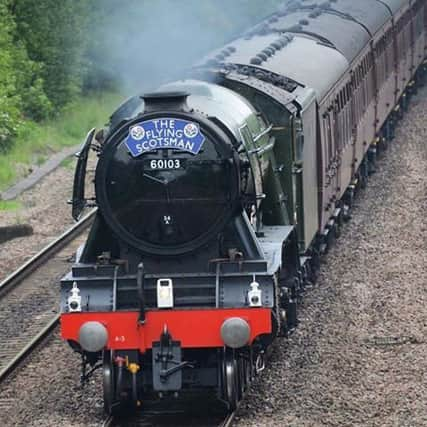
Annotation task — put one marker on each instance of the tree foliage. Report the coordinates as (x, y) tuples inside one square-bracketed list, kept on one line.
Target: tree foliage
[(10, 101), (55, 35), (51, 51)]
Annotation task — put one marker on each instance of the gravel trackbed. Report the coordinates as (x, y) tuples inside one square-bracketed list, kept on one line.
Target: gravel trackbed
[(359, 355)]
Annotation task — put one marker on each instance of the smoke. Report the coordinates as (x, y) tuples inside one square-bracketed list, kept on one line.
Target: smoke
[(143, 43)]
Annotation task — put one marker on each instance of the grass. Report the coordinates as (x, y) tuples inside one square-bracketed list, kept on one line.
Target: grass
[(36, 141), (69, 163), (9, 205)]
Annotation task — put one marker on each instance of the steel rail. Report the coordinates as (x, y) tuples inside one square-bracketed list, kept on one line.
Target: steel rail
[(111, 420), (22, 354), (23, 272), (41, 257), (108, 422), (228, 420)]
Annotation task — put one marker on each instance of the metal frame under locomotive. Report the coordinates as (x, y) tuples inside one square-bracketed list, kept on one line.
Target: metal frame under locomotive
[(335, 131)]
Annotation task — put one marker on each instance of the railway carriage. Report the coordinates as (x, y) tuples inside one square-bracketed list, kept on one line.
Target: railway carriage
[(218, 193)]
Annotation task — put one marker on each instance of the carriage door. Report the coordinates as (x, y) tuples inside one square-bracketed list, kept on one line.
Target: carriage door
[(305, 165)]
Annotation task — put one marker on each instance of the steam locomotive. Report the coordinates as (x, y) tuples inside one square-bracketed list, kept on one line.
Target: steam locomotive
[(217, 194)]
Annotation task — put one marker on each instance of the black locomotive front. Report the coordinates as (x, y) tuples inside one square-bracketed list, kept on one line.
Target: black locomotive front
[(168, 180), (172, 264)]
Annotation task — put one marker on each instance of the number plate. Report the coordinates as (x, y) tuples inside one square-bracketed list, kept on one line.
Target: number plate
[(164, 164)]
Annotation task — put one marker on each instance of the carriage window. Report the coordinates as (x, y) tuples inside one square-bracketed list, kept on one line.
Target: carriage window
[(348, 88)]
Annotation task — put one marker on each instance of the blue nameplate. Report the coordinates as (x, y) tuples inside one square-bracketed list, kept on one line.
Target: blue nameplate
[(164, 133)]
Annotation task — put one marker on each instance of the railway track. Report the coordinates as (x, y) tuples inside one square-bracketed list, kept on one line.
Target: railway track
[(29, 297), (175, 420)]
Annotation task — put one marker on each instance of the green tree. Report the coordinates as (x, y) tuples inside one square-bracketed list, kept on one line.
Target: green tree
[(55, 35), (10, 100), (21, 86)]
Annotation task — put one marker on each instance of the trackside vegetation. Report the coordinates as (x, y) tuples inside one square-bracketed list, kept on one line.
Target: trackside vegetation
[(34, 142), (64, 64)]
